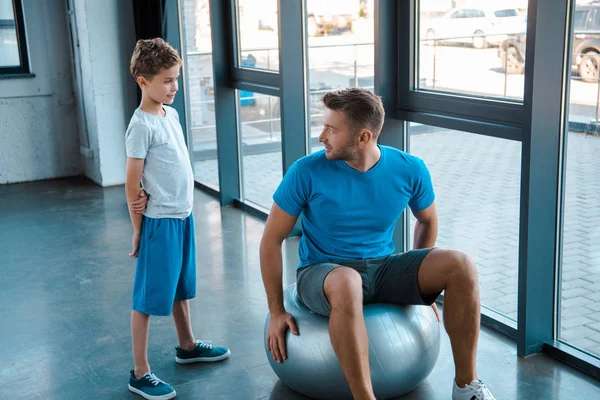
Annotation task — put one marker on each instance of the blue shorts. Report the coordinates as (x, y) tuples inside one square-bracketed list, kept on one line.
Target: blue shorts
[(166, 265)]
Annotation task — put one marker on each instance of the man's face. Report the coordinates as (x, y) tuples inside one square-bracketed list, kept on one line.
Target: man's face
[(339, 141), (162, 87)]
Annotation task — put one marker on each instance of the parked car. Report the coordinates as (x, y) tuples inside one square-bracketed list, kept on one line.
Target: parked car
[(586, 46), (478, 27)]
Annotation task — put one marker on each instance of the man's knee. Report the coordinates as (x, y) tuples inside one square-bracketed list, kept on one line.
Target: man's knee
[(343, 287), (463, 268)]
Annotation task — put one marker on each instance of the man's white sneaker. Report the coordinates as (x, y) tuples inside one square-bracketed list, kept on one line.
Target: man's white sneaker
[(475, 390)]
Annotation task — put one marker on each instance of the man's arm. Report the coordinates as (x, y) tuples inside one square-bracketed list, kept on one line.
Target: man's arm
[(278, 227), (135, 168), (426, 229)]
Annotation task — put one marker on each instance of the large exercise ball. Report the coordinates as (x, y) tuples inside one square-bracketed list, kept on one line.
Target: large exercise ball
[(404, 344)]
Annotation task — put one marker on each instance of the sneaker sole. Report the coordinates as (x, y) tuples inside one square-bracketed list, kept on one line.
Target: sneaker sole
[(202, 359), (151, 397)]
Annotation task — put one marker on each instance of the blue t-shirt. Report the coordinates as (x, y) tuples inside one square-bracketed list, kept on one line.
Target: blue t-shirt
[(348, 214)]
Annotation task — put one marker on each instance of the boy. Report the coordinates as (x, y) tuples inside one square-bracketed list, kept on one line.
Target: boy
[(163, 238)]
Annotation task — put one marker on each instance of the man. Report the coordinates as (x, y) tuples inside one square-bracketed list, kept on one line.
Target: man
[(351, 195)]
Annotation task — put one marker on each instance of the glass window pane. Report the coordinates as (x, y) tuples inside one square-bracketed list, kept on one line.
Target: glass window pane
[(202, 132), (9, 46), (477, 52), (258, 34), (260, 147), (579, 297), (477, 184), (341, 53)]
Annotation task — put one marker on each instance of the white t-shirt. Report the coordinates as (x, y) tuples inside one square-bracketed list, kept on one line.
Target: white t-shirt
[(168, 178)]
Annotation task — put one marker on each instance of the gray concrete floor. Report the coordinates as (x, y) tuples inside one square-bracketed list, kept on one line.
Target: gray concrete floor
[(65, 298)]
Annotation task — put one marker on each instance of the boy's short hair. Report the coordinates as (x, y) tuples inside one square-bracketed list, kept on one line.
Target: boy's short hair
[(363, 109), (151, 56)]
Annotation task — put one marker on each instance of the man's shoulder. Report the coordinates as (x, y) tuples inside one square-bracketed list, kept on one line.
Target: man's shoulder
[(401, 157), (310, 161)]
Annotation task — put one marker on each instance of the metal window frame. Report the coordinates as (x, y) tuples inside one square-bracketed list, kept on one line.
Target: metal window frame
[(24, 68)]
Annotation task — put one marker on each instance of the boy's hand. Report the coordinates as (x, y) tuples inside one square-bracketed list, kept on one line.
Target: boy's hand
[(135, 244), (139, 205)]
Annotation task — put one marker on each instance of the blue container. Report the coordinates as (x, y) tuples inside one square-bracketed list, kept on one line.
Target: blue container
[(246, 97)]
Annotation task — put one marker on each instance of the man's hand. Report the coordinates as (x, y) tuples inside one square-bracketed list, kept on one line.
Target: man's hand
[(139, 205), (276, 334), (437, 313), (135, 244)]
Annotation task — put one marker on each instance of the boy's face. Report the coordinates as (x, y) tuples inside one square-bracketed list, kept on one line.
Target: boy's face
[(162, 87)]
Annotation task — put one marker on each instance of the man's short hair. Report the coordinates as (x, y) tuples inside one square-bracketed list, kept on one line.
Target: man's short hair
[(151, 56), (363, 109)]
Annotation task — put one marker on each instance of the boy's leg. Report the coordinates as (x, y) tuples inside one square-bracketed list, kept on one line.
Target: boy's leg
[(139, 338), (190, 350), (186, 286), (153, 293), (183, 324)]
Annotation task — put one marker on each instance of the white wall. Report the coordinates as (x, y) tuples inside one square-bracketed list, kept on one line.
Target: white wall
[(38, 129), (106, 35)]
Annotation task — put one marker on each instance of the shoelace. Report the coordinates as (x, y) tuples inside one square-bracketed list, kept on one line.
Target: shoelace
[(154, 379), (205, 344), (481, 391)]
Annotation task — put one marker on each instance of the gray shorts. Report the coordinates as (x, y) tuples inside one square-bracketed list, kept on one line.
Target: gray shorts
[(392, 279)]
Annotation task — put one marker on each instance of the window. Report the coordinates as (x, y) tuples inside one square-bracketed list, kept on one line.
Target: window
[(341, 53), (470, 51), (260, 147), (258, 34), (578, 296), (13, 45), (202, 131), (596, 24), (506, 13), (477, 184)]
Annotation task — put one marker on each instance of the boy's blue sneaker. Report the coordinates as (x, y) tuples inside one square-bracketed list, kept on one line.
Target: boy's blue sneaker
[(150, 387), (204, 352)]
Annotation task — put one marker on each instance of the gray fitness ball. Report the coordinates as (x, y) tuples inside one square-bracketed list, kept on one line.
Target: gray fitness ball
[(404, 344)]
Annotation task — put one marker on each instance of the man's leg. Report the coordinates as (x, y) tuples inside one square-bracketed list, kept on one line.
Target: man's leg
[(343, 288), (183, 324), (454, 272)]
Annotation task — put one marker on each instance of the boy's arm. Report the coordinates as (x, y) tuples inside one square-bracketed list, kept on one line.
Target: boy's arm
[(135, 168)]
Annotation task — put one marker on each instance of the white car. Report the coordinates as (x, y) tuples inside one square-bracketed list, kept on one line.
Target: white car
[(479, 27)]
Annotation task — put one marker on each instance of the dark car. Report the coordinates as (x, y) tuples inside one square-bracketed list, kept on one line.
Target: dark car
[(586, 45)]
